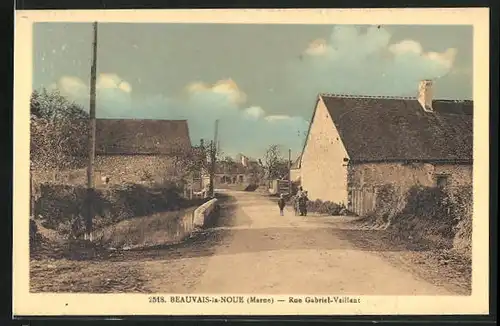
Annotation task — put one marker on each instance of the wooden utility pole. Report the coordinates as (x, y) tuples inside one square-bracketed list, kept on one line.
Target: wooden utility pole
[(92, 132), (289, 171), (216, 133), (213, 158)]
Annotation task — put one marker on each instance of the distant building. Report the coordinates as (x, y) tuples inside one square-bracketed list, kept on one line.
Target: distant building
[(242, 171), (243, 160), (133, 150), (358, 143)]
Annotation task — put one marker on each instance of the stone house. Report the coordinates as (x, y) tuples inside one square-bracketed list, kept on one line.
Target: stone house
[(133, 150), (242, 171), (235, 173), (358, 143)]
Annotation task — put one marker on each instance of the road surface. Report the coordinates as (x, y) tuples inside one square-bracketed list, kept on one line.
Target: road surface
[(253, 250)]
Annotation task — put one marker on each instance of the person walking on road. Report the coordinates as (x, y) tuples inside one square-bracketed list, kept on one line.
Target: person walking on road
[(303, 203), (281, 204), (296, 202)]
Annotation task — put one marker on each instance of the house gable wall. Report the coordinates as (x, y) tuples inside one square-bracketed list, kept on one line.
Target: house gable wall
[(323, 170)]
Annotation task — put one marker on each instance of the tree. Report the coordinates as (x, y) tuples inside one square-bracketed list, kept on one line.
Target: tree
[(256, 173), (228, 160), (194, 159), (228, 164), (59, 130), (183, 158), (275, 164)]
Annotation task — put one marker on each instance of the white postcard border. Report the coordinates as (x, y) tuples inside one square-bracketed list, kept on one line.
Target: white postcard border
[(25, 303)]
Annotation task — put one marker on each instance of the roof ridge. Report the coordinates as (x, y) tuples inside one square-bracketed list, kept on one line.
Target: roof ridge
[(369, 96), (392, 97), (141, 119), (453, 100)]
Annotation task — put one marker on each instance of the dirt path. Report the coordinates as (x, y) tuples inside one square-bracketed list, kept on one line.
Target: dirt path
[(257, 251), (250, 249)]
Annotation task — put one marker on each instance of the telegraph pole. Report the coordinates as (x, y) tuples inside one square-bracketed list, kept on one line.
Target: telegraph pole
[(289, 171), (92, 132), (213, 158)]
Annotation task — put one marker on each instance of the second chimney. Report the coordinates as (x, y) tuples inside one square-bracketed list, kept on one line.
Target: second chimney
[(425, 95)]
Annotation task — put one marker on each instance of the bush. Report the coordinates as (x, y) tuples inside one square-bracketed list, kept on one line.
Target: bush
[(58, 132), (462, 200), (390, 202), (34, 234), (431, 214), (63, 207), (325, 207), (428, 202)]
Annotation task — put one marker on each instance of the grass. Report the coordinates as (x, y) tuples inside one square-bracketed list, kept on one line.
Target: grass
[(147, 231)]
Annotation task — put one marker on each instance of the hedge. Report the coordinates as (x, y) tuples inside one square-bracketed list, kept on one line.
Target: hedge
[(63, 207)]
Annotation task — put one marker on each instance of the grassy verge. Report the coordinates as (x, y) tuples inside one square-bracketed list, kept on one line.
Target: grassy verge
[(58, 264), (434, 226)]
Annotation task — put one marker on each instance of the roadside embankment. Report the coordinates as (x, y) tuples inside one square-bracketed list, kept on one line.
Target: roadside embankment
[(157, 229)]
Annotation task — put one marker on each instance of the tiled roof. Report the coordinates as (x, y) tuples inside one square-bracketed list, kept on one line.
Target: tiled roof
[(385, 128), (134, 136)]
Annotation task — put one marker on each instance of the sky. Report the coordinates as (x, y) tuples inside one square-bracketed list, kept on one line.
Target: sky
[(260, 81)]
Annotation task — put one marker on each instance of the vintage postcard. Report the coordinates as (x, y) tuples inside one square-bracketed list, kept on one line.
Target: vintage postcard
[(251, 162)]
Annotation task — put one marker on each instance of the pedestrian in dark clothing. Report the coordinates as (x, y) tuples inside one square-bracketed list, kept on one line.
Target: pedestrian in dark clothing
[(281, 204), (303, 204), (297, 200)]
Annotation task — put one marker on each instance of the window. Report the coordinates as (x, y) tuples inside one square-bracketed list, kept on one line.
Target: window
[(442, 181)]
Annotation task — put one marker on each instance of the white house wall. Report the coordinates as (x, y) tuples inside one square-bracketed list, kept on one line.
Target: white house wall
[(323, 170)]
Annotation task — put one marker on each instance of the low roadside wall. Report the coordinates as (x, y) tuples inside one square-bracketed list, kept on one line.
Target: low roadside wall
[(203, 213), (155, 230)]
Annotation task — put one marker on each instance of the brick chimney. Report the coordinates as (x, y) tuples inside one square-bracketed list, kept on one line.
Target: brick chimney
[(425, 95)]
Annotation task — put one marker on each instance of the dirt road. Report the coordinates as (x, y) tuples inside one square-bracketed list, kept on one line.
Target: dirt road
[(252, 249)]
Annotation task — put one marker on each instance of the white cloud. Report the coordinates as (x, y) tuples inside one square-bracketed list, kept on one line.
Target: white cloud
[(273, 118), (71, 86), (254, 112), (446, 58), (242, 128), (406, 46), (124, 86), (363, 62), (226, 87), (75, 88), (113, 81), (113, 93)]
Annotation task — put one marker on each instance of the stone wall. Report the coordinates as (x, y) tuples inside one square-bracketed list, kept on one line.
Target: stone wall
[(203, 213), (119, 169), (133, 168), (405, 176)]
